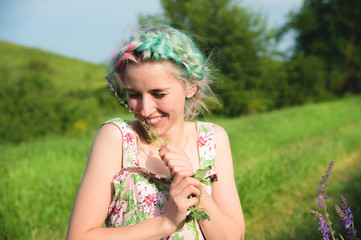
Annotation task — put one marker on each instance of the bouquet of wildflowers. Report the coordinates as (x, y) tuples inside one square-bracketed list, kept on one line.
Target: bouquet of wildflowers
[(325, 224)]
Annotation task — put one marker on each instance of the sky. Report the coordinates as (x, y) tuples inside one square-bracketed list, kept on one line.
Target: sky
[(91, 30)]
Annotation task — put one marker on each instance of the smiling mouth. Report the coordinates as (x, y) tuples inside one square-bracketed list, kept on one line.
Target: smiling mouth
[(153, 121)]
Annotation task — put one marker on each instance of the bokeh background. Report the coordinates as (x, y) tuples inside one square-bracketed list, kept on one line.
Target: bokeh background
[(288, 79)]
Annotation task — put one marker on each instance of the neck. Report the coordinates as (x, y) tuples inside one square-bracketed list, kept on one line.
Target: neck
[(175, 135)]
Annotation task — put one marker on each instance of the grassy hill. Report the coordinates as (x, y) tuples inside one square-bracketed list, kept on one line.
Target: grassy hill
[(279, 158), (66, 73), (43, 93)]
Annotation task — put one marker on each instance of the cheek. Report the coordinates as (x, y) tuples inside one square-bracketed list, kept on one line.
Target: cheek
[(167, 104), (133, 103), (175, 103)]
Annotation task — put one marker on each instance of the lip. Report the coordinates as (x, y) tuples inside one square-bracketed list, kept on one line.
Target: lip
[(154, 121)]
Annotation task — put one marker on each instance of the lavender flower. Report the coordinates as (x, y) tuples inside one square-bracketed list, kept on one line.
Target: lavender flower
[(109, 79), (346, 217), (323, 227), (345, 212), (323, 183)]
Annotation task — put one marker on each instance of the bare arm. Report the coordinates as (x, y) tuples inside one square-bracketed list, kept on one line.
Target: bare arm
[(223, 207), (96, 190)]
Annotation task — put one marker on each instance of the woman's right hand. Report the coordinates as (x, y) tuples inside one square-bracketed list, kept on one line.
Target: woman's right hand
[(179, 202), (176, 160)]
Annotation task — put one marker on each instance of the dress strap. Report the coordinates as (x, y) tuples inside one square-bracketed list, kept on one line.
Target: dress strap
[(130, 152), (206, 144)]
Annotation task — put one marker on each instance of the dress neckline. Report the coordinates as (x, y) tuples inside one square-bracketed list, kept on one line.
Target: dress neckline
[(136, 155)]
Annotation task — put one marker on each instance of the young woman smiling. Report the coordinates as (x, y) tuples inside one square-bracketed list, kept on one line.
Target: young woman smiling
[(143, 190)]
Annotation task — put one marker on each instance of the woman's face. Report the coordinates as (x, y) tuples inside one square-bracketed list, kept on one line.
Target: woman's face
[(156, 95)]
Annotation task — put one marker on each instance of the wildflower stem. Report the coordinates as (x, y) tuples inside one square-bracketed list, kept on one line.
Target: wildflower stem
[(192, 209), (158, 138), (327, 218), (195, 227)]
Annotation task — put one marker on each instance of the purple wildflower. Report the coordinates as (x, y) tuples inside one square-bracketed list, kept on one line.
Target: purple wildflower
[(346, 217), (109, 78), (322, 197), (325, 178), (323, 227)]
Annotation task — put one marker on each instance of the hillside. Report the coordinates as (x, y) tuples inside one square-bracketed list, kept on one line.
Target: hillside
[(52, 93), (67, 73)]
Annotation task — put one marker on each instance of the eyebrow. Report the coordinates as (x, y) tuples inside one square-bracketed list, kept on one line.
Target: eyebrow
[(159, 89), (152, 90)]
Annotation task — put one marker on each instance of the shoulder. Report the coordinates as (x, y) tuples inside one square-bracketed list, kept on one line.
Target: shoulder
[(106, 149), (219, 131), (119, 122), (223, 162), (122, 126), (110, 132), (221, 134)]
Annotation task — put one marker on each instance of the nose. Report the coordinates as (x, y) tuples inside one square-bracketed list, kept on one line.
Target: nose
[(147, 106)]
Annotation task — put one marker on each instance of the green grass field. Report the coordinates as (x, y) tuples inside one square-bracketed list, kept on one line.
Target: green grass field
[(279, 158)]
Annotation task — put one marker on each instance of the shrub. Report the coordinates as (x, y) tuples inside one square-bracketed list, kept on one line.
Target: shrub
[(32, 106)]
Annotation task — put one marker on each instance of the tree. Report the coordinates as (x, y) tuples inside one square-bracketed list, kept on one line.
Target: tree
[(330, 30), (236, 39)]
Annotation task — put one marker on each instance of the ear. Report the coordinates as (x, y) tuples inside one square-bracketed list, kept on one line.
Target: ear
[(191, 91)]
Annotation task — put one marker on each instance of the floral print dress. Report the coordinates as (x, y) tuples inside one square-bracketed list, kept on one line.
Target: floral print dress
[(141, 194)]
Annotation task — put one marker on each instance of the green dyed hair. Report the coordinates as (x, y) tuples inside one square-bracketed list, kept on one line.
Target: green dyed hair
[(165, 43)]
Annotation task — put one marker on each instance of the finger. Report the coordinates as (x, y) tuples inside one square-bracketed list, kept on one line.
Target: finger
[(170, 148), (183, 194), (181, 180), (184, 171), (183, 202), (174, 162), (192, 202), (186, 182), (190, 190), (179, 167), (175, 166), (176, 180), (174, 149), (192, 181), (175, 156), (163, 151)]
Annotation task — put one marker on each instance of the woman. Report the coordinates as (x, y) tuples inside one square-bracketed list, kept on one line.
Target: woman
[(144, 189)]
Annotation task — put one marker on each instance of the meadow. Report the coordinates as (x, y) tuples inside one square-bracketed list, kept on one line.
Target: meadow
[(279, 158)]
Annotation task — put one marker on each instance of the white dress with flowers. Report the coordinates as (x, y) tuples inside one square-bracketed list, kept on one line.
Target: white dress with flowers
[(141, 194)]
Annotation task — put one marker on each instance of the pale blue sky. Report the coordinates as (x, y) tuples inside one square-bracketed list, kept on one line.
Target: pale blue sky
[(91, 29)]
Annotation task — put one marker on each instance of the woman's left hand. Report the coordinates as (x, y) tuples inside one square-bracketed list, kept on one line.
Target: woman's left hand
[(176, 160)]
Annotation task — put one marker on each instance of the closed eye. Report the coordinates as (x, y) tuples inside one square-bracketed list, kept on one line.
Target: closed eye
[(159, 95), (133, 95)]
